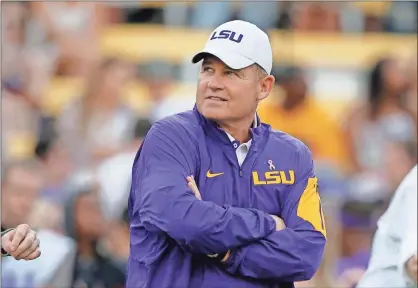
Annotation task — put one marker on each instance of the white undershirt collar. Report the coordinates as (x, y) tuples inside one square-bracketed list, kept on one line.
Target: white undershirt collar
[(241, 149)]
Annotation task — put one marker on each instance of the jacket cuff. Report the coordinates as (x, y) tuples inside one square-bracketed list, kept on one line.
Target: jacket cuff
[(6, 231)]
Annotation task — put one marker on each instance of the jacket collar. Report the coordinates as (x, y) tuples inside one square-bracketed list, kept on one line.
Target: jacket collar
[(212, 129)]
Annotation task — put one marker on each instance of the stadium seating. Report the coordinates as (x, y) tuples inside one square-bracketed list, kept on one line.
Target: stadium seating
[(144, 43)]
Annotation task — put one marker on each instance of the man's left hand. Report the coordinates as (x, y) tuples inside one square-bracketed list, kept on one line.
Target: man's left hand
[(192, 185), (21, 243)]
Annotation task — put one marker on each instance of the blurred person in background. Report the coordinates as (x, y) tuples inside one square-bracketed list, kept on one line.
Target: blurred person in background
[(373, 15), (303, 117), (315, 16), (357, 227), (394, 252), (84, 223), (98, 124), (411, 101), (72, 30), (22, 81), (21, 185), (208, 15), (383, 129), (114, 174), (114, 178), (141, 128), (402, 17), (158, 79), (56, 167), (25, 71), (117, 240)]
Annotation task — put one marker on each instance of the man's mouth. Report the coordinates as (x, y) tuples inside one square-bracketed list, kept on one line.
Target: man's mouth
[(215, 98)]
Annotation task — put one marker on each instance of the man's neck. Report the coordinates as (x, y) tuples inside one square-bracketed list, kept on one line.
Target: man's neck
[(240, 130)]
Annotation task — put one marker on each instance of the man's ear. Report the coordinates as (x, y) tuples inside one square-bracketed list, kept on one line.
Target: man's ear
[(267, 84)]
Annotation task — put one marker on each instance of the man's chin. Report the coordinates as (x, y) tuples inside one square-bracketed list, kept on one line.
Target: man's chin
[(213, 114)]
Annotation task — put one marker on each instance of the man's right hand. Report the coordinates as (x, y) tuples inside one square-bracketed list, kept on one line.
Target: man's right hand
[(279, 223), (192, 185)]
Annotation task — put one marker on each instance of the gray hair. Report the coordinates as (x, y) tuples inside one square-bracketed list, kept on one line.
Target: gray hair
[(261, 73)]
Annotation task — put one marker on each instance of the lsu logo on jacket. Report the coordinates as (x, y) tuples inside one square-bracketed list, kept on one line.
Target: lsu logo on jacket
[(274, 177)]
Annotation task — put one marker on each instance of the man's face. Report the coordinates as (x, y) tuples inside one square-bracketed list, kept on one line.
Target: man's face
[(225, 94)]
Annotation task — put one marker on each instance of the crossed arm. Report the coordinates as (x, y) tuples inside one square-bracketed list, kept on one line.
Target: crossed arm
[(250, 238), (297, 251)]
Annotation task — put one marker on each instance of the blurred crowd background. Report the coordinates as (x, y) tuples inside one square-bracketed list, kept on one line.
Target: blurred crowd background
[(82, 82)]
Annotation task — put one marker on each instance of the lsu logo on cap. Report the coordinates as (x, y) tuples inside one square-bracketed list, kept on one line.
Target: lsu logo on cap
[(227, 34)]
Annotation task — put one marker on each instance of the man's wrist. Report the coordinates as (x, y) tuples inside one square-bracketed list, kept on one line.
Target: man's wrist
[(227, 254), (220, 257)]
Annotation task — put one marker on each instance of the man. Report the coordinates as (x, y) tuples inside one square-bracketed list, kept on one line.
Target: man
[(20, 243), (394, 253), (230, 233)]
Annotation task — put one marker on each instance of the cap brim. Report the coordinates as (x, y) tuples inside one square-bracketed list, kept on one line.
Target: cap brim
[(232, 59)]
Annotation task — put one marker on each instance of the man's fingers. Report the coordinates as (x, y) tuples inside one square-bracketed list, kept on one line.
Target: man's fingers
[(19, 234), (280, 225), (9, 235), (35, 254), (7, 246), (193, 186), (194, 189), (26, 244), (29, 251)]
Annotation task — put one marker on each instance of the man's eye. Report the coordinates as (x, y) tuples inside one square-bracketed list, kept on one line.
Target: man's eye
[(206, 69), (230, 73)]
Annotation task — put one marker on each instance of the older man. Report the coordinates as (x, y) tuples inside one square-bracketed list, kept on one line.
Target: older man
[(256, 220)]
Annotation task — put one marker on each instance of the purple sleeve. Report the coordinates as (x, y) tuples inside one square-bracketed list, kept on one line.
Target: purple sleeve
[(295, 253), (163, 201)]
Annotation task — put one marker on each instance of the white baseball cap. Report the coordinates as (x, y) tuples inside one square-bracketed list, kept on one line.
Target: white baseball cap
[(239, 44)]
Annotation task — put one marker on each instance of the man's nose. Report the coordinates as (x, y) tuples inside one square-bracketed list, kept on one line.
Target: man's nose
[(215, 83)]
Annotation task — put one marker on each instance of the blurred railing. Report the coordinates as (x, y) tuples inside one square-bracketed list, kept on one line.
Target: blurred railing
[(144, 43)]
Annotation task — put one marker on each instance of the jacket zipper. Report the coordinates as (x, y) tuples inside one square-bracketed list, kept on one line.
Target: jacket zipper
[(246, 157)]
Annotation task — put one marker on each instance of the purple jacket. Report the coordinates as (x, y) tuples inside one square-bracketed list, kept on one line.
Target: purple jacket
[(172, 232)]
